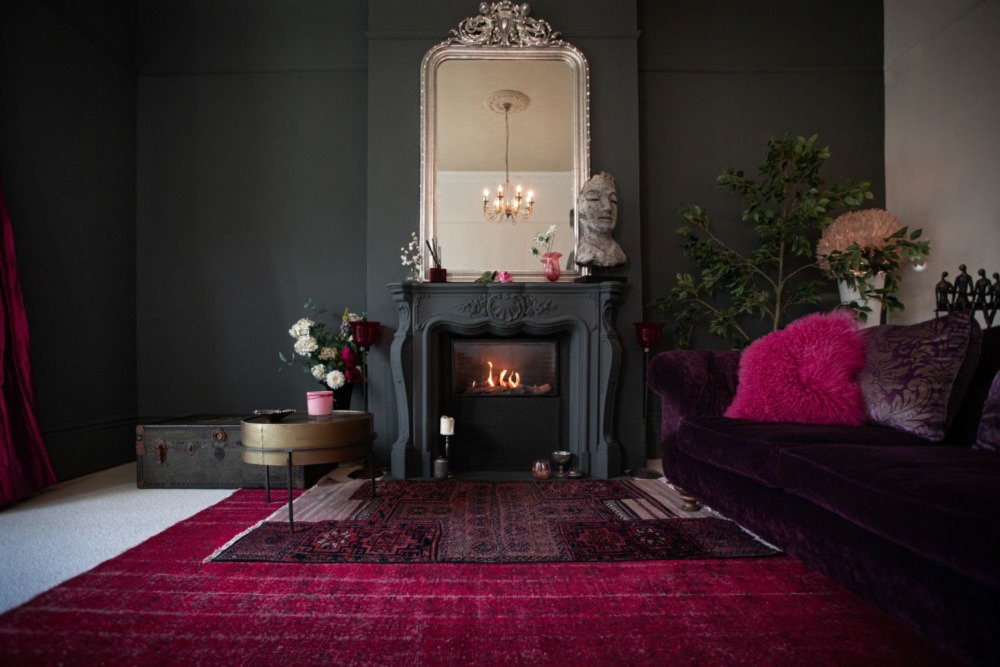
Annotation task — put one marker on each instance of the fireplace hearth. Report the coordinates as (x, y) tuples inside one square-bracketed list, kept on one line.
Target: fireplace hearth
[(558, 391)]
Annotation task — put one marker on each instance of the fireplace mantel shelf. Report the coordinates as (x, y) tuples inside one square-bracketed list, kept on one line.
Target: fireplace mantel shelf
[(582, 312)]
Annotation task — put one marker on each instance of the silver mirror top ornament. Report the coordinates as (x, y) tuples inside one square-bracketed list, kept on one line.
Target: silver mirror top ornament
[(504, 24)]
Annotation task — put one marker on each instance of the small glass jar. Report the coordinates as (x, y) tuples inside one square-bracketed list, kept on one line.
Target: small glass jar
[(540, 469)]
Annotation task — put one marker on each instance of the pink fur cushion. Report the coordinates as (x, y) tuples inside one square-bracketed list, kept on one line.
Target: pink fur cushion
[(807, 373)]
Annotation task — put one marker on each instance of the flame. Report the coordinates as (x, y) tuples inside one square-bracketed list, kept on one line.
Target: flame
[(507, 379)]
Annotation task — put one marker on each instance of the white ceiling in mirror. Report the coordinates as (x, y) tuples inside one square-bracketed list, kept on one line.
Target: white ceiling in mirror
[(541, 139)]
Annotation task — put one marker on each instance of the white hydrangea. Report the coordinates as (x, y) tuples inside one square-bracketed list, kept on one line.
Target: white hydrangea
[(327, 353), (319, 371), (305, 346), (335, 379), (301, 328)]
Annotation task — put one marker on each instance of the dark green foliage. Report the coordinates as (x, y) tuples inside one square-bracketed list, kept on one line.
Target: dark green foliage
[(787, 206)]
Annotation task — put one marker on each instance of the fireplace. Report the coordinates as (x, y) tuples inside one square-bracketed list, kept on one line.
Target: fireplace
[(565, 339), (504, 394)]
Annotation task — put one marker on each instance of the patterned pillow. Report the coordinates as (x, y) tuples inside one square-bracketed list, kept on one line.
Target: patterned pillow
[(989, 423), (806, 373), (916, 375)]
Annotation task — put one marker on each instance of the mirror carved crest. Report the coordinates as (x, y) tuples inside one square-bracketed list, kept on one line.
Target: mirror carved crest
[(504, 24), (469, 144)]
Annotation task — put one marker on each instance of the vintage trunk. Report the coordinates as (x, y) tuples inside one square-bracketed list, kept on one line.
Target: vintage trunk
[(203, 452)]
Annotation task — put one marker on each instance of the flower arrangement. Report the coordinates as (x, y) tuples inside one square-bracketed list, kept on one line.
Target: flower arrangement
[(542, 243), (330, 357), (412, 257), (865, 248)]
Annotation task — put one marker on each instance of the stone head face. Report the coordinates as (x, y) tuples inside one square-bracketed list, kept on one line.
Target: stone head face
[(598, 205)]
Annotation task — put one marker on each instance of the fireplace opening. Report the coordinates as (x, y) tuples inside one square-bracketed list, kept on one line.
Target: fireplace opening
[(490, 368), (506, 395)]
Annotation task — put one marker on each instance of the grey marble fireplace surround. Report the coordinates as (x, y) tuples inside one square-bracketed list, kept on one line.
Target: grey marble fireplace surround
[(582, 314)]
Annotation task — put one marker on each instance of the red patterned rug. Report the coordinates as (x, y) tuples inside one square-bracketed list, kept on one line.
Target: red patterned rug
[(161, 604), (458, 521)]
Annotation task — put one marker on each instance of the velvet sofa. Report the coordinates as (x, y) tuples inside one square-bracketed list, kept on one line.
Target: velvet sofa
[(911, 525)]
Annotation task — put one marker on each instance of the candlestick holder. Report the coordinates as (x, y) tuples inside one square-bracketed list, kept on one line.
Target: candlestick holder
[(365, 334), (647, 335)]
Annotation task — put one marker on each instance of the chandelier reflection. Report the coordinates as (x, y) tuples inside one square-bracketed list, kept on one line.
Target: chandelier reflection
[(506, 205)]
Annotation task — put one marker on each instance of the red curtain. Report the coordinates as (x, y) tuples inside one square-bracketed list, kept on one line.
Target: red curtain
[(24, 462)]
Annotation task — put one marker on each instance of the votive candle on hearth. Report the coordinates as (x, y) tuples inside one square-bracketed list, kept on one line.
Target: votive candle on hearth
[(447, 426)]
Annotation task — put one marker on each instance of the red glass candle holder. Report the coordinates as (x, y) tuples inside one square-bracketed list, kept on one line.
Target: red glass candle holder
[(365, 332), (647, 334)]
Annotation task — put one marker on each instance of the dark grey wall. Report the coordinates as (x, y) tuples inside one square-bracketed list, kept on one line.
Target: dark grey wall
[(716, 77), (268, 152), (251, 193), (67, 153)]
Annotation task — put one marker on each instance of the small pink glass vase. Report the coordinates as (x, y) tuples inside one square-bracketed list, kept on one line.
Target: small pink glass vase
[(550, 265)]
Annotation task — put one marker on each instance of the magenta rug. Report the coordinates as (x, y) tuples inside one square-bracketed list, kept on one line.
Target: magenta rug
[(161, 604), (458, 521)]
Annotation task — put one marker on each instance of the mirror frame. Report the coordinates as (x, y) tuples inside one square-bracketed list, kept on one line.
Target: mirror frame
[(502, 31)]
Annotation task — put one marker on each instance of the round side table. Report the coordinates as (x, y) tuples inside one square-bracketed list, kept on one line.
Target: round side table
[(299, 439)]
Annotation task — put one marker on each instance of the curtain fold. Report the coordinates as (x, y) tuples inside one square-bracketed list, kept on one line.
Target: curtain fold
[(24, 462)]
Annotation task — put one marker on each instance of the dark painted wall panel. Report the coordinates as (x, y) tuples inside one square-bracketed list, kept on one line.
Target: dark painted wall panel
[(711, 94), (67, 152), (251, 201), (189, 35)]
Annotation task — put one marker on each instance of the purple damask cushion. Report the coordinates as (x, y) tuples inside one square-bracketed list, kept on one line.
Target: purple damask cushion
[(916, 375), (989, 423)]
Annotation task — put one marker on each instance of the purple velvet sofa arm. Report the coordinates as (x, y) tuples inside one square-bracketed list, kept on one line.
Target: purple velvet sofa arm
[(692, 383)]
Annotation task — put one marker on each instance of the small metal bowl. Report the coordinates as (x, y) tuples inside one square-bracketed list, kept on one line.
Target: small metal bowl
[(273, 416)]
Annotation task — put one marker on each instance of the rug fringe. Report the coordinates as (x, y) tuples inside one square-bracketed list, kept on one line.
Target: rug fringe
[(236, 539)]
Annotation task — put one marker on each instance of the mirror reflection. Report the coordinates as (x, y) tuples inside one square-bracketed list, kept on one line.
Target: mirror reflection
[(504, 144), (475, 150)]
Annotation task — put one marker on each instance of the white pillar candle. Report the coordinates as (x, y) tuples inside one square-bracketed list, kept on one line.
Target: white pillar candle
[(447, 426)]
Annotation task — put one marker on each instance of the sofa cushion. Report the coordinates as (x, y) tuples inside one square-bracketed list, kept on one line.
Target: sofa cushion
[(989, 424), (751, 448), (941, 502), (916, 375), (965, 426), (807, 372)]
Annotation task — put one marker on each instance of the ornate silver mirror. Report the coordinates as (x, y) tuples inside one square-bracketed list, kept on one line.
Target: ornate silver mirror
[(505, 144)]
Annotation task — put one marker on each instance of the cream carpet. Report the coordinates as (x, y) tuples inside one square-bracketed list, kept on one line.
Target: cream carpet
[(71, 527)]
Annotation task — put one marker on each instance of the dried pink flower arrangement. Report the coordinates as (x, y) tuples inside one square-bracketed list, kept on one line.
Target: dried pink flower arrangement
[(870, 228)]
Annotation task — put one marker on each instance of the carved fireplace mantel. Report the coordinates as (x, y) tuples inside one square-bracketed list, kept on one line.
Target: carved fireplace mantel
[(582, 313)]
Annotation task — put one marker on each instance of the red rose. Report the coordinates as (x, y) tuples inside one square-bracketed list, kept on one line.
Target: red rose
[(353, 374), (347, 354)]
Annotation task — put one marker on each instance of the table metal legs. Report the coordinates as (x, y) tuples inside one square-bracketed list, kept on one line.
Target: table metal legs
[(267, 483)]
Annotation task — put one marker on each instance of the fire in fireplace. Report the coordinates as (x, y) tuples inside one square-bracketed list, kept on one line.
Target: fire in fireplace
[(492, 368)]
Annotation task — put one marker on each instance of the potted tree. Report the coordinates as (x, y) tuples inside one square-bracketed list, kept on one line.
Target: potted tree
[(787, 206)]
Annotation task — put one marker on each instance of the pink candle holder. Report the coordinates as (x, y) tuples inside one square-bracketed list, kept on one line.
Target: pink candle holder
[(319, 403)]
